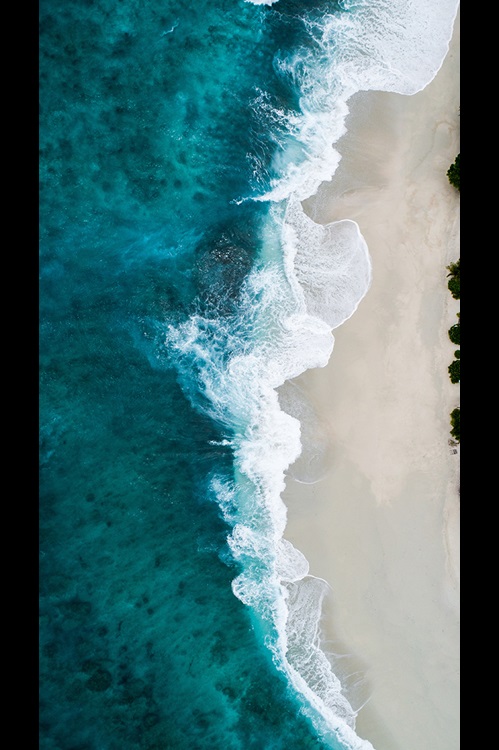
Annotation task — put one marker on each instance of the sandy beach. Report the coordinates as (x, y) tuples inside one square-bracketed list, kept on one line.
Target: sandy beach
[(373, 502)]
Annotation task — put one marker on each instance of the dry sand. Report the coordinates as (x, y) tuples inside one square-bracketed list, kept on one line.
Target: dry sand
[(381, 524)]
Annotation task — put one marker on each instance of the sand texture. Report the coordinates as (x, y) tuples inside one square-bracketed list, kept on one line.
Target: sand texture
[(381, 522)]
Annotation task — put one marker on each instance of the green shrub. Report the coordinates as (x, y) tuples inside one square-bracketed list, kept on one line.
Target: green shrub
[(457, 354), (454, 173), (455, 334), (455, 371), (454, 286), (455, 420), (454, 282)]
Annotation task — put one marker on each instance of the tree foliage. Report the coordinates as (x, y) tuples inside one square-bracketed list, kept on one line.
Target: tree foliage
[(454, 286), (454, 283), (455, 421), (454, 173), (455, 334), (455, 371)]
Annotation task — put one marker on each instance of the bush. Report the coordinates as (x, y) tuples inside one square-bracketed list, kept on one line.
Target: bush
[(454, 282), (455, 420), (455, 334), (457, 354), (455, 371), (454, 286), (454, 173)]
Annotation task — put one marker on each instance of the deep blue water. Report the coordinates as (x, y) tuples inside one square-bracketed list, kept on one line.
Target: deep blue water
[(177, 291)]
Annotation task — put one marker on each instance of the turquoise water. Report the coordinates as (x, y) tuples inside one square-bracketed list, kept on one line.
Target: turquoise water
[(181, 284)]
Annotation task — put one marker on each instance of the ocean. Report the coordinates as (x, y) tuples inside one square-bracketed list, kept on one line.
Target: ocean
[(181, 285)]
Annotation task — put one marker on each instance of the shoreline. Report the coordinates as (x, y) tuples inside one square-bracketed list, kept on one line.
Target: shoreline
[(381, 522)]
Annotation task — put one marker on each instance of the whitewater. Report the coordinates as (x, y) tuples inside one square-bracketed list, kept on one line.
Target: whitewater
[(308, 279)]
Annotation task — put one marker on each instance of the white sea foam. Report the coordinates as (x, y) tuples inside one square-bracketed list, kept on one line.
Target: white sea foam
[(329, 265), (309, 280), (289, 305), (399, 47), (396, 45)]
